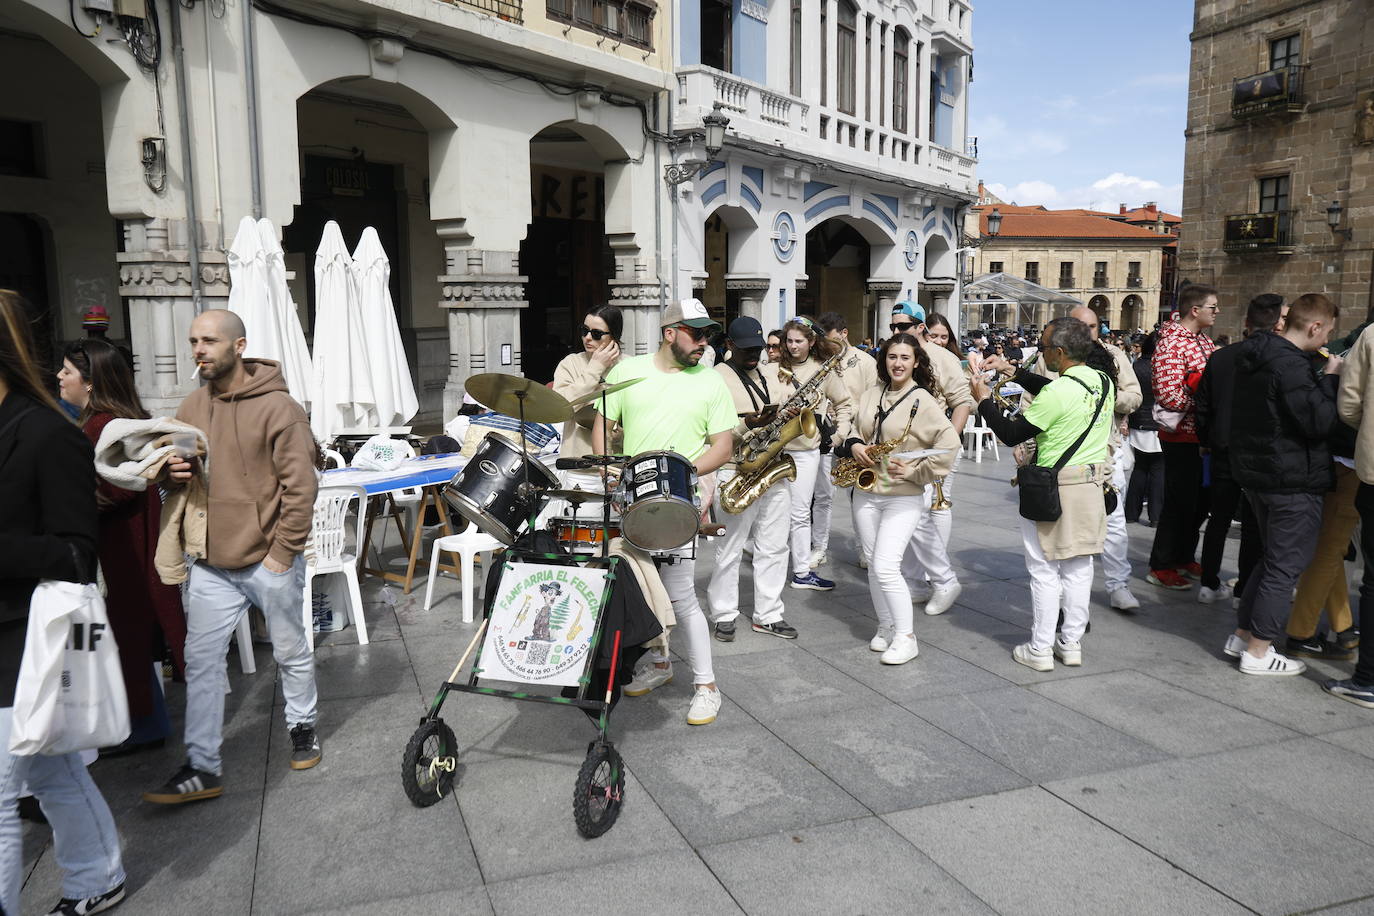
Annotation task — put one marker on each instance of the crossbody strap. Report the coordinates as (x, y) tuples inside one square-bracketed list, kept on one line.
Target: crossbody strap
[(1069, 452)]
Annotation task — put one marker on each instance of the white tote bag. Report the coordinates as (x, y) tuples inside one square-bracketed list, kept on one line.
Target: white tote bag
[(70, 695)]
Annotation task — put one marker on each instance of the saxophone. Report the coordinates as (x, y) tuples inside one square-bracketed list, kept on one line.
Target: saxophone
[(759, 460), (847, 472)]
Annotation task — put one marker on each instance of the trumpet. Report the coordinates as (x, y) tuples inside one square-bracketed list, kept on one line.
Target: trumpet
[(940, 503)]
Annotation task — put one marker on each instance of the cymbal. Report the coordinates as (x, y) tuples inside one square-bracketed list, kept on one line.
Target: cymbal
[(576, 497), (603, 388), (504, 394)]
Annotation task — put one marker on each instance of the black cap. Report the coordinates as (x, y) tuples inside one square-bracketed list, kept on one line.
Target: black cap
[(746, 332)]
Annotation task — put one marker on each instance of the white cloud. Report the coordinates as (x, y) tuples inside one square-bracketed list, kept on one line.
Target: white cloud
[(1103, 194)]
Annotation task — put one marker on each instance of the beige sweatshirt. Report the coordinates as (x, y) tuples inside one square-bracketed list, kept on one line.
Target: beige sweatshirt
[(930, 428), (575, 377), (950, 376), (744, 403), (833, 390)]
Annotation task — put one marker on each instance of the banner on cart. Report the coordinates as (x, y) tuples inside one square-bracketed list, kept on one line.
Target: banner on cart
[(542, 622)]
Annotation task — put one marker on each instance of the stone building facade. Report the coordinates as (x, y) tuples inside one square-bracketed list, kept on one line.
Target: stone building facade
[(1280, 143)]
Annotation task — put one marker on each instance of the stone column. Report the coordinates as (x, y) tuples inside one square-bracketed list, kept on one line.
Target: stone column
[(484, 296), (753, 293), (640, 295), (155, 279), (885, 292)]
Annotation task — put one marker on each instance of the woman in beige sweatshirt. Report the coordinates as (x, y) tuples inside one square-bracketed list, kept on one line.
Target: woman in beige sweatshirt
[(900, 408)]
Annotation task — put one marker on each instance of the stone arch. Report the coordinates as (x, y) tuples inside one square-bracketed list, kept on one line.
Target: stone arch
[(940, 260)]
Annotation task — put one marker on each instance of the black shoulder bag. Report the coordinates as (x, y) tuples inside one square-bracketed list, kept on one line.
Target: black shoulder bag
[(1040, 485)]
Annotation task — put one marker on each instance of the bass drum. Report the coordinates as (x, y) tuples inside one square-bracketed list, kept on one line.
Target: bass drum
[(658, 501), (488, 490)]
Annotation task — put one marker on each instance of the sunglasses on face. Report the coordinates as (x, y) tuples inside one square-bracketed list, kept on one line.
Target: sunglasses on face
[(902, 327), (596, 335), (694, 333)]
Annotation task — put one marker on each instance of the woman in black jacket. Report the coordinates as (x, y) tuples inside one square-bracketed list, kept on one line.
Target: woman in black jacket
[(1147, 477), (47, 531)]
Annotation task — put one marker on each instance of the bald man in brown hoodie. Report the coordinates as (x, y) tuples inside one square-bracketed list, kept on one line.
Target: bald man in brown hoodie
[(261, 501)]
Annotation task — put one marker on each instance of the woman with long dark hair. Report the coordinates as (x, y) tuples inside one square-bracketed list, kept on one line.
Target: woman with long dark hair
[(941, 333), (804, 350), (902, 413), (47, 531), (146, 615)]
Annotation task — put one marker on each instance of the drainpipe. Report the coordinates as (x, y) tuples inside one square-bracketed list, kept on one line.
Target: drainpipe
[(672, 152), (250, 78), (658, 204), (183, 116)]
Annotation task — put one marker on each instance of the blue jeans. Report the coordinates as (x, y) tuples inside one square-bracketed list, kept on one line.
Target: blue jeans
[(216, 599), (85, 842)]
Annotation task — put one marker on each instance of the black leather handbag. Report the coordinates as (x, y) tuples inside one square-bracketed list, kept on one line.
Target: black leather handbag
[(1039, 485)]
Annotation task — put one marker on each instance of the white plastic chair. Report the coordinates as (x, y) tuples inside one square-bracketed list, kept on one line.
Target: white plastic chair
[(467, 544), (975, 429), (327, 552), (333, 459)]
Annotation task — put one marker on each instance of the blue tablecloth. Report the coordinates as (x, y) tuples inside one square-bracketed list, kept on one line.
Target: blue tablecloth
[(422, 471)]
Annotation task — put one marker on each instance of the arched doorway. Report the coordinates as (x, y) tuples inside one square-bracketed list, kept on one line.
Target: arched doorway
[(1131, 312), (1103, 307), (729, 230), (565, 253)]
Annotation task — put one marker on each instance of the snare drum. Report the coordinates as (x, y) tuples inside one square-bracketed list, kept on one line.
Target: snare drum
[(582, 535), (658, 501), (487, 492)]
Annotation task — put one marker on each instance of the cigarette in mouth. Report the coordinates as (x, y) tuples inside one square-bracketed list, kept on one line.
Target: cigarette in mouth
[(195, 373)]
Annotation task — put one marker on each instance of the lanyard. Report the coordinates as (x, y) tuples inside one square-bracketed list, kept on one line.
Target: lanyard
[(880, 416), (751, 389)]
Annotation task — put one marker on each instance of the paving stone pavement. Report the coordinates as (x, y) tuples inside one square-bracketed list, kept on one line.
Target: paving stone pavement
[(1153, 779)]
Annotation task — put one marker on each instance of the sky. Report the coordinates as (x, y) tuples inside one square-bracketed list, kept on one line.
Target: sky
[(1081, 104)]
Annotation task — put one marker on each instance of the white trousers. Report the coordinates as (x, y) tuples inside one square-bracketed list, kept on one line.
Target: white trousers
[(765, 522), (1056, 584), (800, 492), (1116, 561), (885, 525), (931, 539), (678, 580), (822, 503)]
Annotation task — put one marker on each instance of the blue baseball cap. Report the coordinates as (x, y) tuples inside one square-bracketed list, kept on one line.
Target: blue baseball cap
[(910, 308)]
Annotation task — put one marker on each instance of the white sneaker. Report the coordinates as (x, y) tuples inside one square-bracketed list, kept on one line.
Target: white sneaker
[(1070, 653), (881, 640), (1207, 595), (863, 562), (1235, 646), (817, 558), (942, 599), (1035, 659), (705, 705), (648, 678), (921, 592), (1123, 600), (902, 650), (1272, 664)]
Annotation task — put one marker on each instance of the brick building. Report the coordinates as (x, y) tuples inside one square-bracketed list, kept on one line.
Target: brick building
[(1278, 191)]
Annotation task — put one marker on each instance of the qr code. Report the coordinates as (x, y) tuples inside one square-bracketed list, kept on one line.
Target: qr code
[(537, 654)]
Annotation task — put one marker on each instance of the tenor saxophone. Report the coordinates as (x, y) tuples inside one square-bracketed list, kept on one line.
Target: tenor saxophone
[(759, 460), (847, 472)]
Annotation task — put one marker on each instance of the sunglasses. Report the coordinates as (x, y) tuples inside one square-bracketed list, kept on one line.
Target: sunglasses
[(694, 333), (596, 335), (902, 327)]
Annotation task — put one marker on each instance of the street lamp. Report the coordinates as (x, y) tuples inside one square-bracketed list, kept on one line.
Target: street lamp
[(994, 222), (1333, 221), (713, 135)]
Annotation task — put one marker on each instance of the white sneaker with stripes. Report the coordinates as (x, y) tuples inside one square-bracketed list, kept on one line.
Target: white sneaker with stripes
[(1273, 664)]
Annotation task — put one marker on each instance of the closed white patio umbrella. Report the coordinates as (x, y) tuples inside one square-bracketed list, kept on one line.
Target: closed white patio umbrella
[(392, 388), (341, 392), (288, 340)]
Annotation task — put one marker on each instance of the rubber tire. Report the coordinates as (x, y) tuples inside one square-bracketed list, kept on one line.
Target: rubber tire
[(420, 788), (593, 811)]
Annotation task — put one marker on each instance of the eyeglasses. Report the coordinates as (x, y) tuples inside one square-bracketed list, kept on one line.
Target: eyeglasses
[(902, 327), (773, 346), (694, 333), (596, 335)]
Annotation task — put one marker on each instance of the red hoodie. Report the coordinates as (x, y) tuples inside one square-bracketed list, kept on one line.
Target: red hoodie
[(1179, 360)]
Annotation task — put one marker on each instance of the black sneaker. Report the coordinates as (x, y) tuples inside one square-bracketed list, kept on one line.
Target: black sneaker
[(1349, 639), (725, 631), (782, 629), (1316, 647), (188, 785), (84, 907), (305, 747)]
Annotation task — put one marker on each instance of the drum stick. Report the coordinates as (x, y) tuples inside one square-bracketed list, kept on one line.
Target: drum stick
[(615, 657), (453, 678)]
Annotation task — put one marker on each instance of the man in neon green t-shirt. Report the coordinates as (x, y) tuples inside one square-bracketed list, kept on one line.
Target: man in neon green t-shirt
[(685, 407)]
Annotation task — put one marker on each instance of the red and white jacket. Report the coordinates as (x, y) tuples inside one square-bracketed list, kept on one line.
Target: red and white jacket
[(1180, 357)]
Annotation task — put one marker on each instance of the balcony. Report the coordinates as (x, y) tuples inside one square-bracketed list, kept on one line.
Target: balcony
[(1135, 282), (629, 21), (1269, 93), (1270, 232), (705, 86), (509, 10), (1099, 281), (947, 160), (1066, 283)]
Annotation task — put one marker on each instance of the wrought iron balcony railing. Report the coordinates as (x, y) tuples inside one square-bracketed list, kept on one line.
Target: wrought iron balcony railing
[(1272, 92), (509, 10), (1259, 231), (630, 21), (1135, 282)]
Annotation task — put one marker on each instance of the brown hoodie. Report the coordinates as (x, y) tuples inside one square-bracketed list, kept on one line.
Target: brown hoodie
[(262, 473)]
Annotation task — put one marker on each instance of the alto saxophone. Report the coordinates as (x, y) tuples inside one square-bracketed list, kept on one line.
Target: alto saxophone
[(847, 472), (759, 460)]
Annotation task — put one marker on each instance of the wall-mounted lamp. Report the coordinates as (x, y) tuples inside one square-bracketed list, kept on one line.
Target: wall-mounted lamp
[(1333, 221), (713, 135)]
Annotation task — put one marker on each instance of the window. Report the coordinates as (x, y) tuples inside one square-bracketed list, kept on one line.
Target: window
[(1033, 271), (715, 34), (1100, 275), (627, 20), (1285, 52), (825, 57), (846, 49), (934, 91), (797, 48), (994, 267), (1273, 194), (1132, 268), (868, 69), (882, 74), (1066, 274), (900, 46)]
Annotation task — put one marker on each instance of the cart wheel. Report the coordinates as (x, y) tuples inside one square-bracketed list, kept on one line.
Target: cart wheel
[(429, 763), (599, 792)]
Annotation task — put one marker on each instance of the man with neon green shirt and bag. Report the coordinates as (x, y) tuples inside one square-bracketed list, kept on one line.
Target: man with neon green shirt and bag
[(684, 407)]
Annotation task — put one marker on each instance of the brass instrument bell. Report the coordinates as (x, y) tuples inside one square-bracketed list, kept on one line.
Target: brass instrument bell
[(940, 503)]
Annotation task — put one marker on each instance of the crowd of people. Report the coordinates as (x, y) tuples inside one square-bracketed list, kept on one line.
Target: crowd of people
[(1165, 429)]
